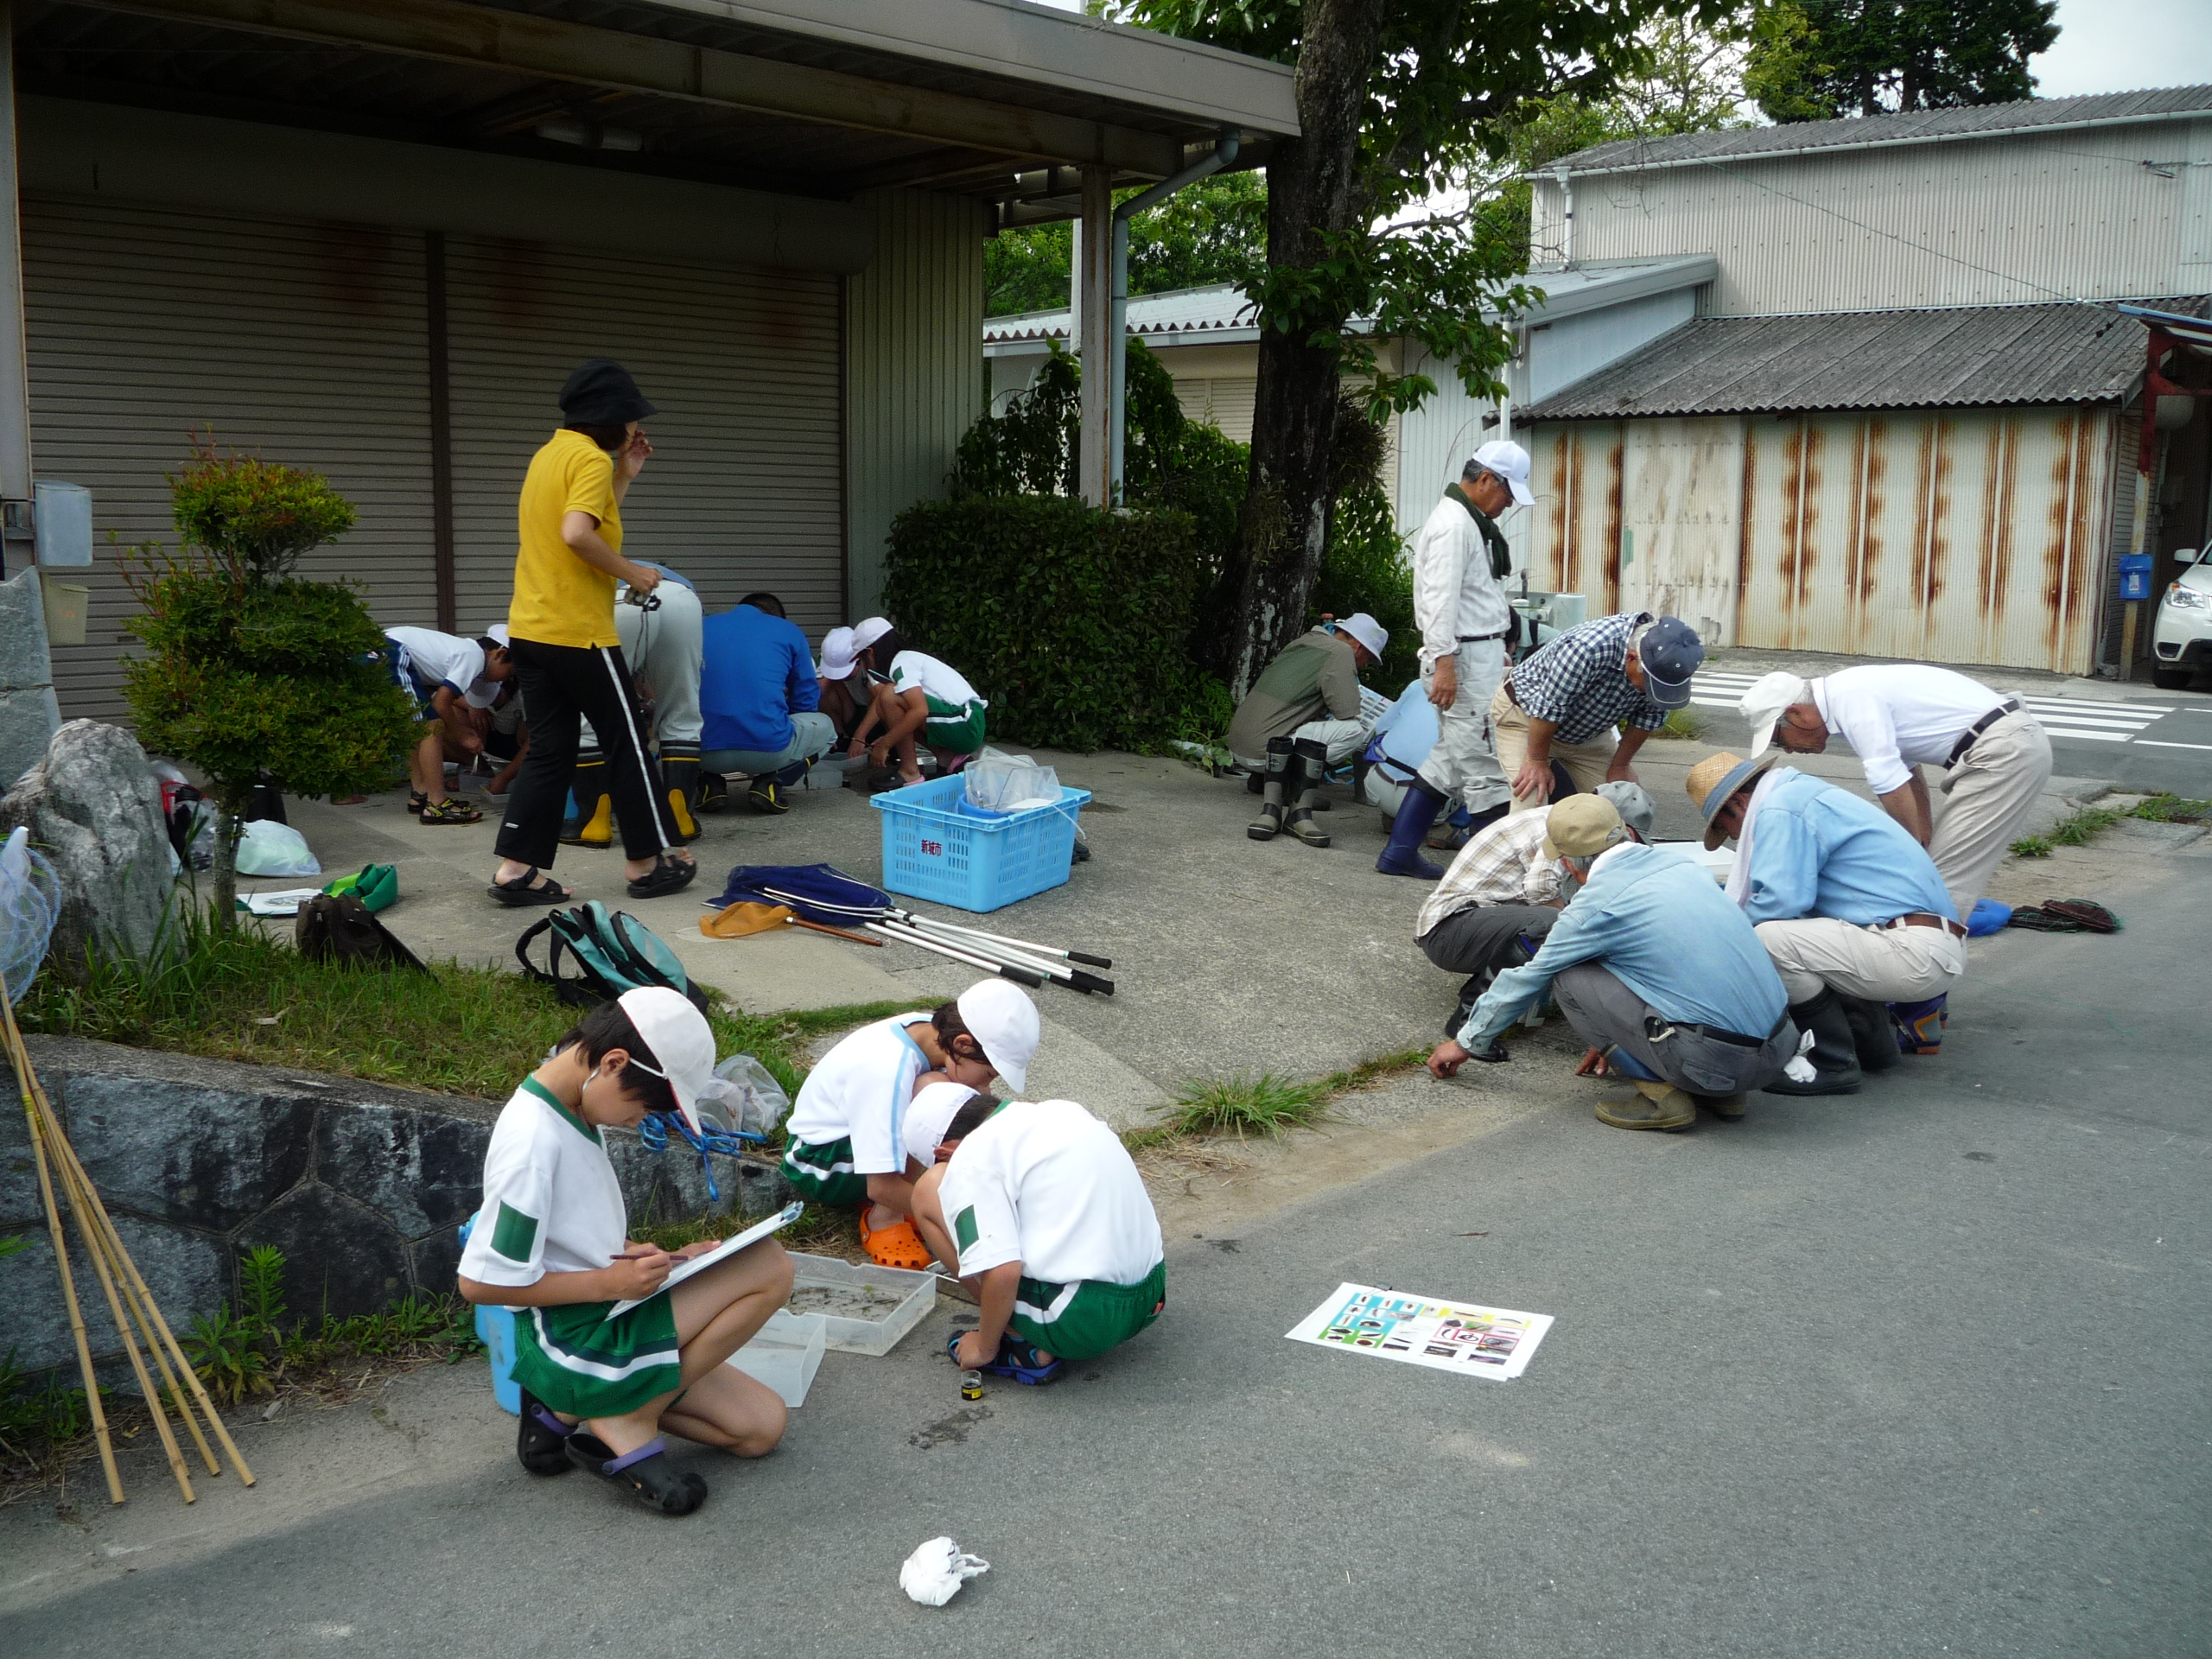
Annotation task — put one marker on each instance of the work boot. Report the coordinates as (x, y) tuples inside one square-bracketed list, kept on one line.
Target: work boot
[(714, 791), (1417, 814), (1919, 1025), (1833, 1054), (1268, 824), (594, 824), (1729, 1108), (770, 791), (1872, 1034), (1301, 786), (679, 782), (1657, 1106)]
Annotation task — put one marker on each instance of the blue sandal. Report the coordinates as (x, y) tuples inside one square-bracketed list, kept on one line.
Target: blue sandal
[(1017, 1360)]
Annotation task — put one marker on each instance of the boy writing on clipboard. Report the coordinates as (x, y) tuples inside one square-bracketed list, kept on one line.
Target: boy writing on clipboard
[(602, 1385)]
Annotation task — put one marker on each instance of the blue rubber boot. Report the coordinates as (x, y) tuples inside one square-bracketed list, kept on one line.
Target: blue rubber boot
[(1416, 815)]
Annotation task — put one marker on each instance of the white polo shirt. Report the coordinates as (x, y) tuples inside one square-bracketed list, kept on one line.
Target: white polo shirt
[(449, 660), (860, 1090), (1045, 1183), (1899, 715), (913, 670), (551, 1202)]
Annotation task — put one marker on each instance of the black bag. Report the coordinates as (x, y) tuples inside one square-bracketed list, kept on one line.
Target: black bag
[(613, 952), (338, 927)]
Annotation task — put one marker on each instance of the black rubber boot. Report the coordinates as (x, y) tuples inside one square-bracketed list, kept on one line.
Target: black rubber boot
[(679, 780), (594, 824), (1872, 1034), (1309, 762), (1416, 815), (1835, 1054), (714, 791), (1268, 824)]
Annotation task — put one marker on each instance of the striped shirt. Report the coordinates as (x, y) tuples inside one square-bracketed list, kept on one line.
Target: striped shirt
[(1579, 680), (1504, 864)]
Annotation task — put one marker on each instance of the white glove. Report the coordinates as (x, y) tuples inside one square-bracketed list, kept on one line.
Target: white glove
[(933, 1574), (1800, 1069)]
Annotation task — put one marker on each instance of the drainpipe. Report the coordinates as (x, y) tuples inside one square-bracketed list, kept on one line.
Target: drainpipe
[(1117, 408), (1566, 215)]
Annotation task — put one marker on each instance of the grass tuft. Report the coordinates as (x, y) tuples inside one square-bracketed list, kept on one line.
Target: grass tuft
[(2032, 846), (1684, 723), (2172, 808), (2079, 830), (1267, 1104)]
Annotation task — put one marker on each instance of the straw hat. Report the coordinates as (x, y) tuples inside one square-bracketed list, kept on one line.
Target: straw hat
[(1713, 782)]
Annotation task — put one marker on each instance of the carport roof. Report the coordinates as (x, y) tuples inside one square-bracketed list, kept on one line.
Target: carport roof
[(1965, 356)]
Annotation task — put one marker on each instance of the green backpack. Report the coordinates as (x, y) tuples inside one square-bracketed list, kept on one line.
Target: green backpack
[(613, 952)]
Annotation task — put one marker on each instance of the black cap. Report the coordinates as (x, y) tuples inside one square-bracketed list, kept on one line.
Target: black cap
[(601, 393)]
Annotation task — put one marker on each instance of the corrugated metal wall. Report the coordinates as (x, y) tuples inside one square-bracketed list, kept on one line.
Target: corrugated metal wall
[(2003, 220), (1973, 536), (913, 368)]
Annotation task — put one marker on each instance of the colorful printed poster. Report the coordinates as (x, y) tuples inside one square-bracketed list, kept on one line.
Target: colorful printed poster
[(1458, 1337)]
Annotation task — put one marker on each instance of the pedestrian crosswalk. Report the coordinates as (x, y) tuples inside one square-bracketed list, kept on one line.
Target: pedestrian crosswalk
[(2077, 718)]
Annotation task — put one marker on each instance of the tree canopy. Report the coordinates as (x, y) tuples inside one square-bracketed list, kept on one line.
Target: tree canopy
[(1214, 230), (1815, 59)]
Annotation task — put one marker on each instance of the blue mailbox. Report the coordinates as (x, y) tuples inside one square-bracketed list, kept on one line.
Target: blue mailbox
[(2135, 575)]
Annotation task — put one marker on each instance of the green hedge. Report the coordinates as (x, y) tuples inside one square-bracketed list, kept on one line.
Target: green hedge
[(1074, 623)]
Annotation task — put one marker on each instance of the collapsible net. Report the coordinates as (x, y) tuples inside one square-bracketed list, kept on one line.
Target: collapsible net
[(30, 900)]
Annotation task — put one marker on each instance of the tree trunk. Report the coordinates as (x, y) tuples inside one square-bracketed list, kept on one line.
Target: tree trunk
[(1314, 185)]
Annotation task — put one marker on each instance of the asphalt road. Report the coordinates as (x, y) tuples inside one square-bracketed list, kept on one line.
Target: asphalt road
[(1917, 1372)]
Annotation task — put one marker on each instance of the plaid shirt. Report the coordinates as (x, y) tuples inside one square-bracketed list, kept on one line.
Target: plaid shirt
[(1581, 680), (1504, 864)]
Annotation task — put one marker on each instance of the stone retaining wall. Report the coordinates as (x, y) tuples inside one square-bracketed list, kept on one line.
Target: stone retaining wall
[(361, 1185)]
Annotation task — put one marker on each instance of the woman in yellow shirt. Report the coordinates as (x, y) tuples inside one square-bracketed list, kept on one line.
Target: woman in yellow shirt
[(567, 655)]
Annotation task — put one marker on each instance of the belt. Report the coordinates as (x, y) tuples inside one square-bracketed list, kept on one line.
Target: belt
[(1923, 919), (2010, 706), (1734, 1038), (1478, 639)]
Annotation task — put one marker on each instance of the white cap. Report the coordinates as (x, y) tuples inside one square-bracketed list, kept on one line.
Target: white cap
[(866, 632), (929, 1116), (1003, 1022), (1365, 629), (1762, 704), (497, 631), (1510, 462), (838, 653), (683, 1047)]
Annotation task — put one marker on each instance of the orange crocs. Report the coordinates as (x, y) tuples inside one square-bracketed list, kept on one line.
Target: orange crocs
[(896, 1246)]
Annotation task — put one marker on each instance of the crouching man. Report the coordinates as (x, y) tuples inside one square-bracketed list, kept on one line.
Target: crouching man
[(1039, 1204), (1655, 969), (1847, 904), (1302, 716)]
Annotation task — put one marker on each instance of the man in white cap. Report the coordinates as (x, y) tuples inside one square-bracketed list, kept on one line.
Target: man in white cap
[(1303, 715), (1899, 717), (1460, 561)]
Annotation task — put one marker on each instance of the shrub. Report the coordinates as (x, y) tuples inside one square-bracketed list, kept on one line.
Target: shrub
[(256, 517)]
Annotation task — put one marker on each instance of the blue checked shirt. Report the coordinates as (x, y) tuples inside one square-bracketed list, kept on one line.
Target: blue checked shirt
[(1581, 680)]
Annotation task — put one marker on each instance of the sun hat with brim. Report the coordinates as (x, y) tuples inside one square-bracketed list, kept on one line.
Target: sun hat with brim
[(1003, 1022), (601, 393), (1715, 780), (868, 630), (838, 653), (1366, 629), (1770, 696), (929, 1114), (683, 1047), (1582, 826)]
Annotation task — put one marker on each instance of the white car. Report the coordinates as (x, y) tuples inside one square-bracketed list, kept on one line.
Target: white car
[(2181, 640)]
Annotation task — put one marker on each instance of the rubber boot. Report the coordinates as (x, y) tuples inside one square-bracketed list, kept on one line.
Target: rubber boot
[(1268, 824), (1309, 762), (679, 781), (1919, 1025), (714, 791), (594, 824), (1833, 1054), (1872, 1034), (1417, 814)]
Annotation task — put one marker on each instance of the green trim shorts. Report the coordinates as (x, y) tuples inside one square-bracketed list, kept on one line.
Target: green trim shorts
[(824, 1173), (577, 1360), (956, 727), (1085, 1318)]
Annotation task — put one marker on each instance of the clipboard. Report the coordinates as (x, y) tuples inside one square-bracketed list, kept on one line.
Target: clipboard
[(728, 1247)]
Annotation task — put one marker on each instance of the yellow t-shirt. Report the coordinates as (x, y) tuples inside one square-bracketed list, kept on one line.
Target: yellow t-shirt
[(559, 600)]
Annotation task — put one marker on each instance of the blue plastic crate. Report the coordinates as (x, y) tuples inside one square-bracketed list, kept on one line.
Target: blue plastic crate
[(937, 846)]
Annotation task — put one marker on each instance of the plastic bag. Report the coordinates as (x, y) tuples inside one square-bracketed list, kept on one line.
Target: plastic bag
[(934, 1573), (268, 848), (747, 1095), (30, 901), (999, 782)]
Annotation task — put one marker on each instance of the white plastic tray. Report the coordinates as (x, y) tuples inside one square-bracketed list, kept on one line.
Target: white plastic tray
[(785, 1354), (902, 1297)]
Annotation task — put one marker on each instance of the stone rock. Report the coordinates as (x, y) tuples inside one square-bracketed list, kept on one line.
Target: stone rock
[(26, 663), (22, 1209), (29, 717), (205, 1157), (339, 1256), (94, 808), (418, 1170), (189, 1273), (435, 1260)]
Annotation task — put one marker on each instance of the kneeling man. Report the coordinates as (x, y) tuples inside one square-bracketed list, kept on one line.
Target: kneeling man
[(1849, 906), (1656, 970), (1047, 1220)]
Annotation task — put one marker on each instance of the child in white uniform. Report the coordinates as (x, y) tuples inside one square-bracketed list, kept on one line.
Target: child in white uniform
[(549, 1242), (922, 695), (1045, 1214), (845, 1140)]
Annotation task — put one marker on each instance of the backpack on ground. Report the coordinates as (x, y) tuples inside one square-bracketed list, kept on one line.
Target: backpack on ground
[(338, 927), (613, 952)]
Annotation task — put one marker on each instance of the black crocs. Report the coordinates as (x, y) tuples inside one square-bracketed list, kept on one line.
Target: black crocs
[(646, 1475), (542, 1439)]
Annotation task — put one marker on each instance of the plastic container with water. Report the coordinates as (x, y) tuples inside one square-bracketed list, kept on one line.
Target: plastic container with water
[(939, 845), (864, 1308), (785, 1354)]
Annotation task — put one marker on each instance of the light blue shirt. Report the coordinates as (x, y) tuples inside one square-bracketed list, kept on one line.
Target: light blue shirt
[(1661, 926), (1818, 850)]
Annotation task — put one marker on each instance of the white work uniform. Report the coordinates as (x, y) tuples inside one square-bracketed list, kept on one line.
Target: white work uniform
[(551, 1202), (1045, 1183), (1461, 612), (446, 659), (939, 681), (861, 1090), (1898, 716)]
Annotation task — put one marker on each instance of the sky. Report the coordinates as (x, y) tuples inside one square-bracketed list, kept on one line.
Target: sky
[(2122, 45)]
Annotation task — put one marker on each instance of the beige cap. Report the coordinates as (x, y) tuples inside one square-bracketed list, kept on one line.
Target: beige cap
[(1582, 826)]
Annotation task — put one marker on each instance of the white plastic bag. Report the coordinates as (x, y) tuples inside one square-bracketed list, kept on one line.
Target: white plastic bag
[(934, 1573), (746, 1095), (999, 782), (268, 848)]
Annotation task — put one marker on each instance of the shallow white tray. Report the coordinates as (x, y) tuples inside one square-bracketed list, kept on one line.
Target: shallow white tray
[(785, 1354), (864, 1308)]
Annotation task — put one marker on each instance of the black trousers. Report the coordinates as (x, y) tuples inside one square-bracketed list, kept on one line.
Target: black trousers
[(562, 685), (1484, 940)]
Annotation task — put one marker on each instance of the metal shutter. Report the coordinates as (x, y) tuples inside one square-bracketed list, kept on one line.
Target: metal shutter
[(744, 489), (304, 343)]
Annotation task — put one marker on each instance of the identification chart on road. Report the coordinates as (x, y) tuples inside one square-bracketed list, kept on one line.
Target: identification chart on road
[(1459, 1337)]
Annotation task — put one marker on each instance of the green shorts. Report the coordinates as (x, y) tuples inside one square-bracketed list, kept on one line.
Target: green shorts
[(824, 1173), (956, 726), (1088, 1317), (579, 1361)]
